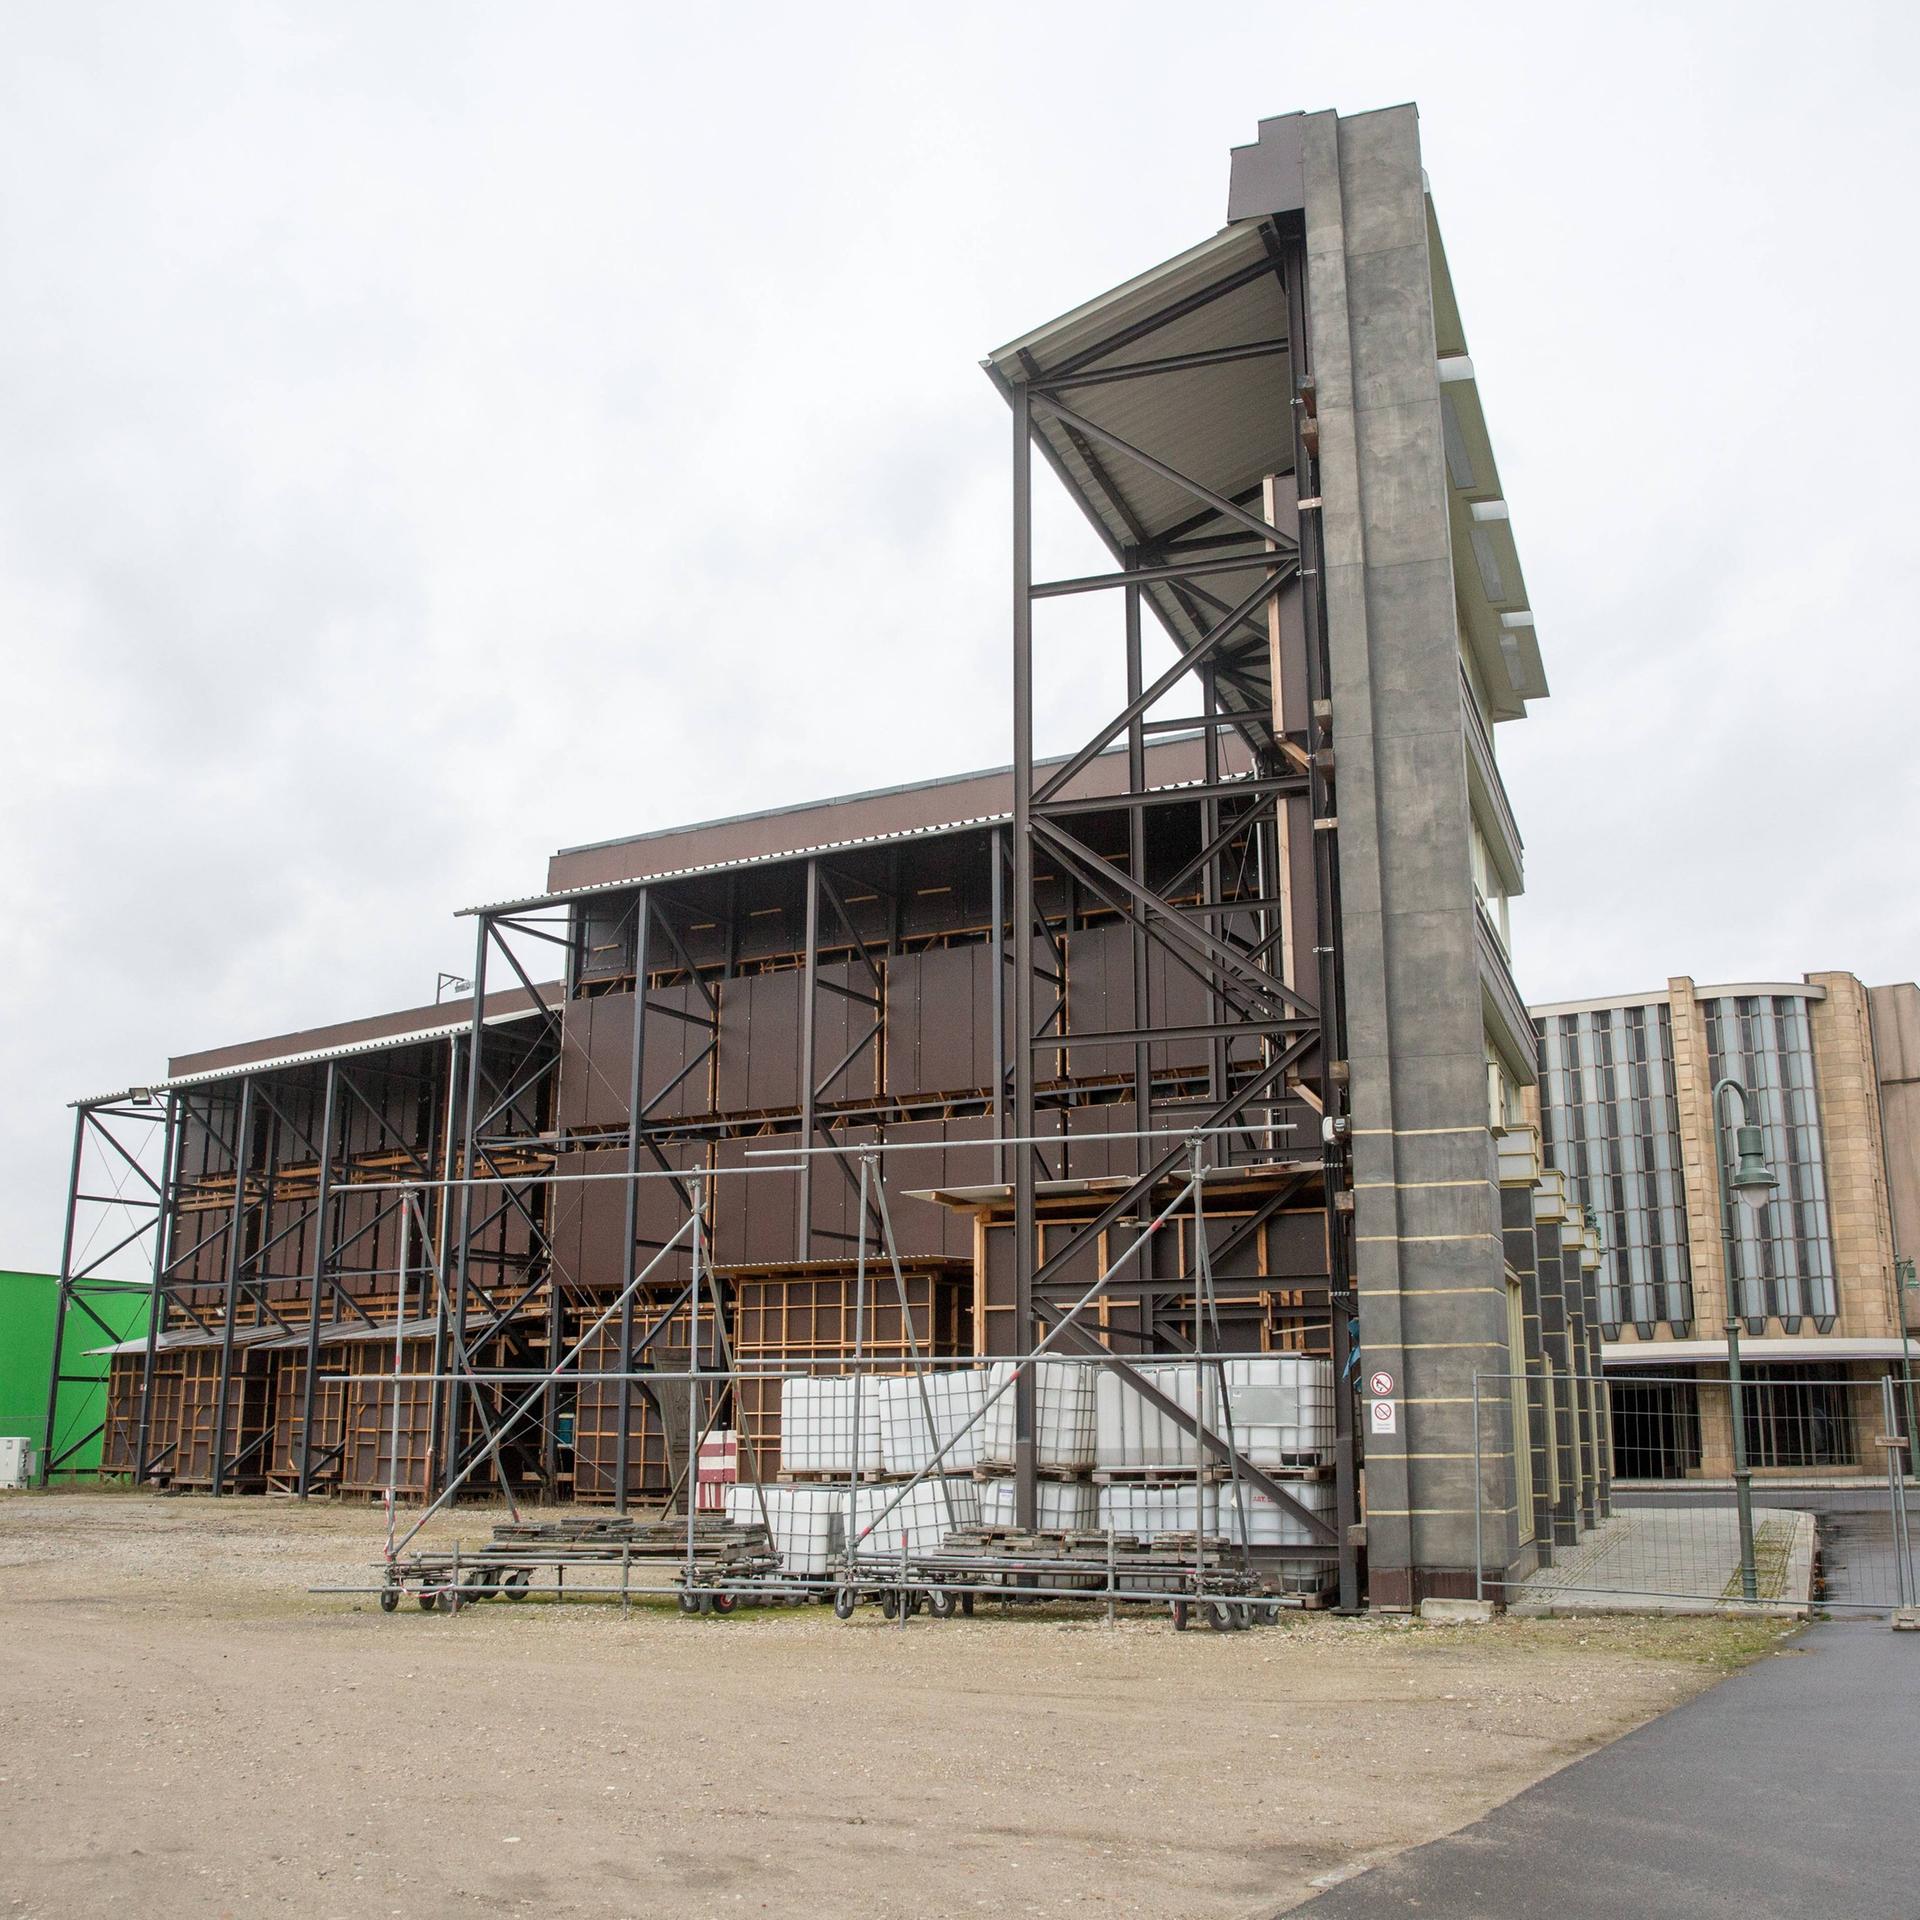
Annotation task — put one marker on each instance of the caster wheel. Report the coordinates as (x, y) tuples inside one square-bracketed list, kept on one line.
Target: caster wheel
[(706, 1603), (514, 1586), (446, 1600), (966, 1606), (723, 1602), (941, 1604), (844, 1602), (426, 1602), (389, 1599), (1222, 1617), (689, 1603), (1269, 1613), (890, 1607), (1179, 1616)]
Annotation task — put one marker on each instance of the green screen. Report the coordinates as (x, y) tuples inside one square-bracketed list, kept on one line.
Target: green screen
[(27, 1310)]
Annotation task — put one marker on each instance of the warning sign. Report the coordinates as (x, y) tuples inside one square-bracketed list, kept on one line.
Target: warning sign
[(1380, 1385), (1384, 1416)]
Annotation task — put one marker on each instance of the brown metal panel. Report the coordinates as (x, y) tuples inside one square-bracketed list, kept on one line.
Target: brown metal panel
[(760, 1043), (1100, 997), (576, 1062), (940, 1021), (672, 1086), (754, 1217), (838, 1023)]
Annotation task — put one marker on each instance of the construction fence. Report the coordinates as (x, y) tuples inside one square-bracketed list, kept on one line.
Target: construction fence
[(1689, 1491)]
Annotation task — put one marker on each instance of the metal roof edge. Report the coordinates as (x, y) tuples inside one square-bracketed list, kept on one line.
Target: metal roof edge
[(747, 861), (313, 1056)]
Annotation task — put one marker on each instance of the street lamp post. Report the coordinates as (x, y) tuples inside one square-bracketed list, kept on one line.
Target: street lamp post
[(1753, 1181), (1903, 1283)]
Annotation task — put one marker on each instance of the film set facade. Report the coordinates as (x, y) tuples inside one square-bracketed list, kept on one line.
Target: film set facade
[(1258, 915), (1627, 1126)]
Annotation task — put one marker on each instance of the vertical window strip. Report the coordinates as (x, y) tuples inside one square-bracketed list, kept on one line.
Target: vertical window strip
[(1783, 1251), (1609, 1124)]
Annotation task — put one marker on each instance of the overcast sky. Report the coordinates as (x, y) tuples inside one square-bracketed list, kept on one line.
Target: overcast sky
[(435, 434)]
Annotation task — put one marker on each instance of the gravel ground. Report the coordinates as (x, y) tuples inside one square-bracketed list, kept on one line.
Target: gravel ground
[(190, 1732)]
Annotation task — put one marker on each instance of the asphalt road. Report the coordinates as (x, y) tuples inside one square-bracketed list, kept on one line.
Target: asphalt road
[(1786, 1790)]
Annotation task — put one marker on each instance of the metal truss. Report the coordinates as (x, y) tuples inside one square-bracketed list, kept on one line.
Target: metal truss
[(113, 1146), (1226, 917), (505, 1146)]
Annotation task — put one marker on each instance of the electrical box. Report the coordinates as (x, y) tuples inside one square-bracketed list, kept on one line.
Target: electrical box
[(18, 1457)]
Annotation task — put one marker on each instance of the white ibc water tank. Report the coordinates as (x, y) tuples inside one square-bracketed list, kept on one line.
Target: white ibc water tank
[(924, 1511), (1250, 1517), (1282, 1406), (816, 1424), (1279, 1407), (1060, 1506), (805, 1523), (1130, 1432), (907, 1443), (1270, 1525), (1063, 1416), (1127, 1507)]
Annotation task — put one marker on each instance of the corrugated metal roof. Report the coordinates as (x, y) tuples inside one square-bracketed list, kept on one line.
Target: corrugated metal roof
[(792, 853), (273, 1340), (1229, 425), (1226, 426), (314, 1057)]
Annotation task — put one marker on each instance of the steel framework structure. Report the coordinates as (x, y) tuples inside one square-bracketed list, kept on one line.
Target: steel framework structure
[(112, 1137), (1274, 1043)]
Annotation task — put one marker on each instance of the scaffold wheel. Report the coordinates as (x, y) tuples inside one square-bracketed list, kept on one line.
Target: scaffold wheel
[(389, 1599), (723, 1602), (844, 1602), (1179, 1616), (1223, 1616), (514, 1585), (689, 1602), (426, 1602), (940, 1603)]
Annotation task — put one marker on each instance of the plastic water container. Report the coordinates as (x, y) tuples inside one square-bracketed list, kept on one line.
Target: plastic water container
[(1281, 1408), (1063, 1416), (816, 1424), (1130, 1432), (805, 1522), (924, 1511), (1060, 1506), (1270, 1525), (1151, 1511), (1249, 1517), (907, 1443)]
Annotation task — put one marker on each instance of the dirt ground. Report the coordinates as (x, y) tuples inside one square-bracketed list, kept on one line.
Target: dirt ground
[(188, 1731)]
